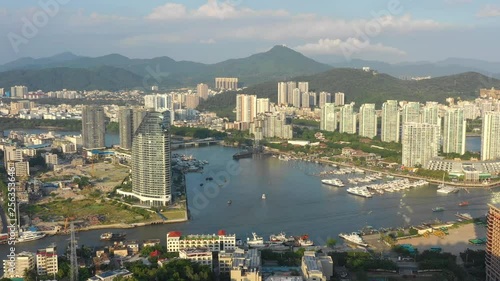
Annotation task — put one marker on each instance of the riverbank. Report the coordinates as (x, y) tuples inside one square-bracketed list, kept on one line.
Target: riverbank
[(433, 181)]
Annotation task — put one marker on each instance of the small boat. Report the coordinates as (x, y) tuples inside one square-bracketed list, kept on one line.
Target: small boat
[(201, 184), (256, 241), (464, 216), (463, 204), (333, 182), (229, 202), (108, 236), (263, 196), (304, 241), (438, 209)]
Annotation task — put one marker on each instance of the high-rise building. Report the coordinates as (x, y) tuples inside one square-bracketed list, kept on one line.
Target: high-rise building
[(151, 157), (262, 105), (490, 137), (226, 83), (324, 97), (158, 102), (420, 143), (271, 125), (328, 120), (306, 100), (454, 131), (46, 261), (296, 98), (390, 121), (430, 113), (367, 120), (290, 86), (138, 113), (246, 108), (493, 244), (2, 92), (126, 123), (93, 127), (16, 266), (303, 87), (347, 119), (202, 90), (18, 92), (282, 93), (411, 112), (313, 98), (339, 99)]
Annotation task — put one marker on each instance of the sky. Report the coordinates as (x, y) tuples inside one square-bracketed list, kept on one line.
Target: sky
[(210, 31)]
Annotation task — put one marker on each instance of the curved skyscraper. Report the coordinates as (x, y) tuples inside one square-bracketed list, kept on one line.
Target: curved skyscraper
[(151, 156)]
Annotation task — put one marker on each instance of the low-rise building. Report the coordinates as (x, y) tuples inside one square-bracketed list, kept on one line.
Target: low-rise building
[(15, 266), (214, 242), (111, 275), (246, 266), (201, 256), (316, 267), (46, 261)]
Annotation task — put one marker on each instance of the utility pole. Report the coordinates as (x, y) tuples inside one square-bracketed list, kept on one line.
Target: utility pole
[(73, 258)]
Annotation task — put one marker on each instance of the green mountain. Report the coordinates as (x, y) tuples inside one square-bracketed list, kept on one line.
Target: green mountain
[(102, 78), (368, 87), (276, 64)]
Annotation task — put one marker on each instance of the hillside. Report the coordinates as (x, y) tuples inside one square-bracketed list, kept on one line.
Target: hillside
[(101, 78), (276, 64), (365, 87)]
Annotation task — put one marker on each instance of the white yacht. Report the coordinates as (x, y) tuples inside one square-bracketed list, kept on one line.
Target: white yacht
[(333, 182), (304, 241), (256, 241), (360, 191), (447, 189), (263, 196), (353, 238)]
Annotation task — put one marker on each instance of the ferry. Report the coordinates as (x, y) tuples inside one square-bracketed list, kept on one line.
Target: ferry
[(109, 236), (256, 241), (353, 238), (30, 235), (463, 204), (333, 182)]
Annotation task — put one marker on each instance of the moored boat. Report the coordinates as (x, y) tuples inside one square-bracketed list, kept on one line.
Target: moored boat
[(463, 204), (438, 209), (333, 182), (109, 236), (353, 238), (29, 235), (304, 241), (256, 241)]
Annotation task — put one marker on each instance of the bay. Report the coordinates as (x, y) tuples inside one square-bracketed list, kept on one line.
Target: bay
[(296, 203)]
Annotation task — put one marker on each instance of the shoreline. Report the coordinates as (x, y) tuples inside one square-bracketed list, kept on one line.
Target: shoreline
[(433, 181)]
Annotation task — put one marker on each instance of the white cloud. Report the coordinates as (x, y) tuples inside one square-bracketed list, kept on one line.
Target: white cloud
[(213, 9), (452, 2), (348, 47), (208, 41), (489, 11)]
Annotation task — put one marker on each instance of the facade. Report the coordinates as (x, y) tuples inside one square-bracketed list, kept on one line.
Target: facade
[(290, 86), (50, 159), (454, 130), (410, 112), (151, 157), (16, 266), (420, 143), (226, 83), (138, 114), (93, 127), (46, 261), (262, 106), (493, 244), (111, 275), (198, 255), (367, 120), (126, 123), (296, 98), (271, 125), (390, 121), (339, 99), (306, 100), (192, 101), (490, 140), (246, 108), (347, 119), (213, 242), (282, 93), (18, 92), (246, 266), (202, 90), (328, 120), (316, 267), (430, 114), (303, 87)]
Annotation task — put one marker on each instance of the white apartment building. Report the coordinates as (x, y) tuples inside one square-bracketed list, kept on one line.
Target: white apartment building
[(390, 121), (410, 112), (347, 119), (199, 255), (16, 267), (339, 99), (420, 143), (328, 120), (490, 138), (367, 120), (246, 108), (46, 261), (454, 130)]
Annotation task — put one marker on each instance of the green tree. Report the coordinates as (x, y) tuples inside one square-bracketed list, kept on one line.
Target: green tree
[(331, 242)]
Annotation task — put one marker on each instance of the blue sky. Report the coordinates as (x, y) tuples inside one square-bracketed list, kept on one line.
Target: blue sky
[(211, 31)]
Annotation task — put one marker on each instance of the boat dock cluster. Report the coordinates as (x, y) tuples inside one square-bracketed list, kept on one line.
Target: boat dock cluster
[(279, 241), (187, 164), (368, 191), (340, 171)]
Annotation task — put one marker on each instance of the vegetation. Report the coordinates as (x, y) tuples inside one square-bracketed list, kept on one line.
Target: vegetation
[(443, 261), (288, 258), (467, 156), (474, 263), (305, 122), (197, 133), (64, 124), (175, 270), (434, 174), (356, 261)]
